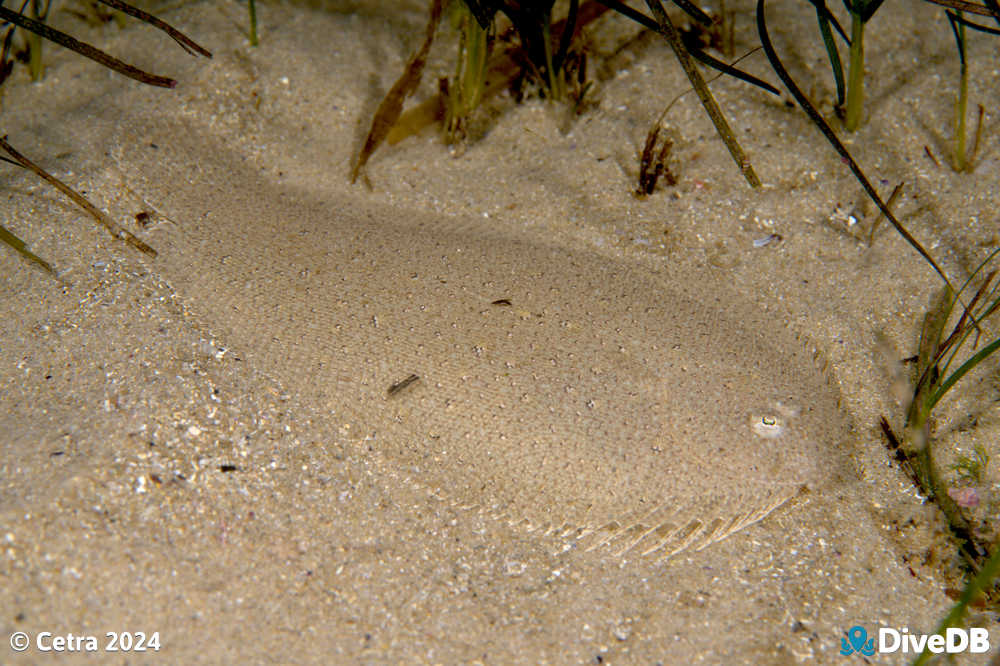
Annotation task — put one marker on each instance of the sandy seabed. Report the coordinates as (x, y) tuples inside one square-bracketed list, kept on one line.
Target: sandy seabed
[(152, 479)]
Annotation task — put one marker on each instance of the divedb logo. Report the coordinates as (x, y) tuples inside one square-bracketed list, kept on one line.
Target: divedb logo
[(975, 640)]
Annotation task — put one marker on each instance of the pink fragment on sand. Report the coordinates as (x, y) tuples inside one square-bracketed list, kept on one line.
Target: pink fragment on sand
[(967, 498)]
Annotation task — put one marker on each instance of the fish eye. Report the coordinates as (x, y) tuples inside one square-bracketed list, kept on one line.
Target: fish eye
[(772, 422), (768, 426)]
